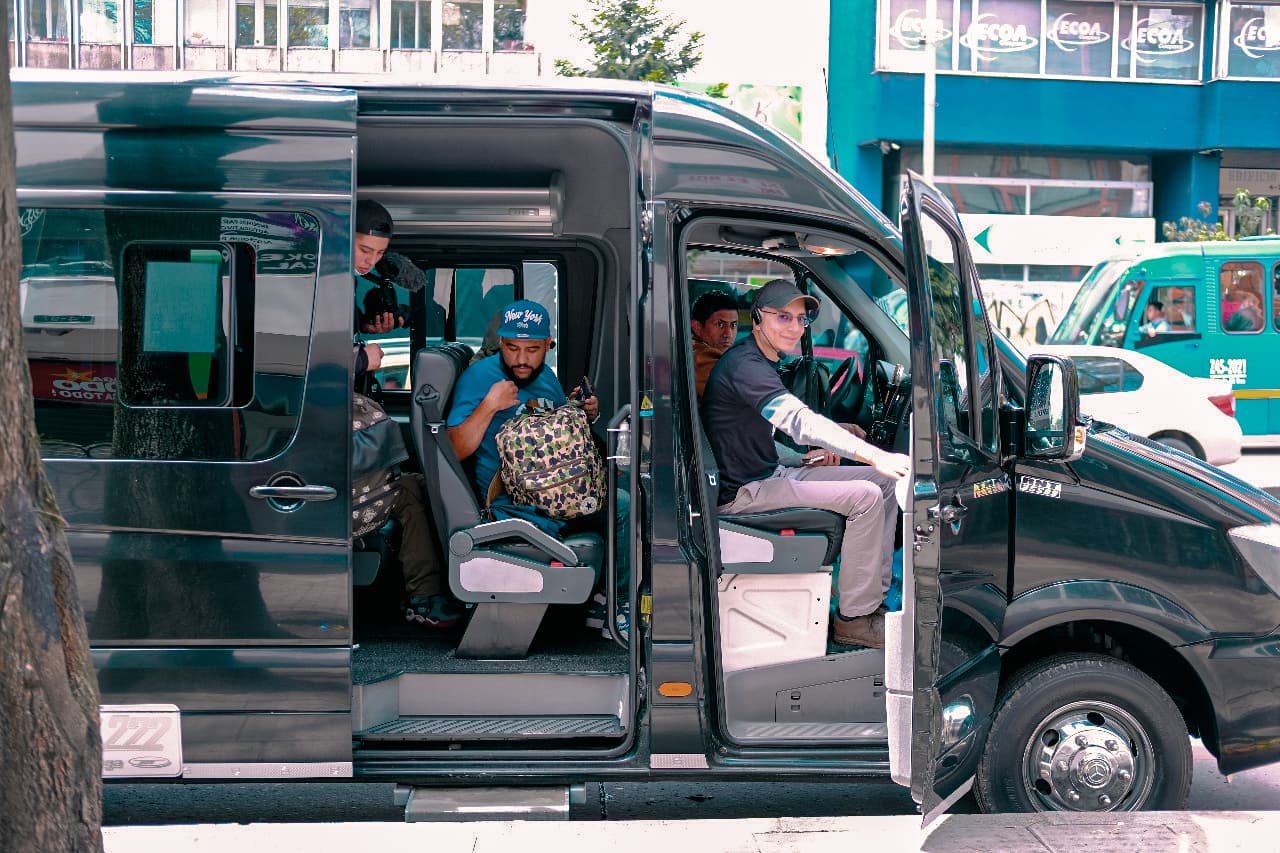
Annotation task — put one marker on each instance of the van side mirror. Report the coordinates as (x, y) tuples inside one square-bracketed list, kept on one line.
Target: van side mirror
[(1053, 428)]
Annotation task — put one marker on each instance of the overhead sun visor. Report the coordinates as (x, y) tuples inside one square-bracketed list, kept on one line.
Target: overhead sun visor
[(523, 211)]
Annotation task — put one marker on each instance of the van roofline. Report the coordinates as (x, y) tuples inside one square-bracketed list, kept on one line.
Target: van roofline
[(569, 86)]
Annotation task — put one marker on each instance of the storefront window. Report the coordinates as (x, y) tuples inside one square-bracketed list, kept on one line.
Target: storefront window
[(1078, 38), (508, 25), (411, 24), (206, 23), (99, 22), (47, 20), (358, 23), (308, 23), (1159, 42), (1105, 39), (1000, 37), (257, 24), (462, 25), (903, 30), (1253, 40)]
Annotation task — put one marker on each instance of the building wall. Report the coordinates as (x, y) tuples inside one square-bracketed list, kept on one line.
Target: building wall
[(1190, 132), (761, 53)]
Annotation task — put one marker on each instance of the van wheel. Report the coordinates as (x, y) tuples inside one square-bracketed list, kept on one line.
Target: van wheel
[(1179, 444), (1084, 732)]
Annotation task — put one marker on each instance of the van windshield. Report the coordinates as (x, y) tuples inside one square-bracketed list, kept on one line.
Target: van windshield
[(1081, 323)]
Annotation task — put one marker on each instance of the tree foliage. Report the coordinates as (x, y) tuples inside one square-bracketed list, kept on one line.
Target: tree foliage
[(50, 748), (1249, 215), (632, 40)]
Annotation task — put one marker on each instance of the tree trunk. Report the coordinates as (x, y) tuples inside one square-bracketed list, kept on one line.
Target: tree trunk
[(50, 749)]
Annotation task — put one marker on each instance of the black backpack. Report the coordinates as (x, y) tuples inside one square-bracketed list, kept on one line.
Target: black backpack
[(377, 449)]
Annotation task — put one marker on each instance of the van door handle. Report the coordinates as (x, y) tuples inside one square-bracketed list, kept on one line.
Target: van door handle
[(294, 493), (948, 513)]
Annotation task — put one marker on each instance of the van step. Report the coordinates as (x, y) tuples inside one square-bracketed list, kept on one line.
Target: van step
[(492, 728)]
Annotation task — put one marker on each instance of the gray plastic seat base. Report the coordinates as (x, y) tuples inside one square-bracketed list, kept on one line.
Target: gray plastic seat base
[(836, 697)]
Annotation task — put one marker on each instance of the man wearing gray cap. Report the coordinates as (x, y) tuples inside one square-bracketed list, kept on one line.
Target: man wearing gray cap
[(745, 401)]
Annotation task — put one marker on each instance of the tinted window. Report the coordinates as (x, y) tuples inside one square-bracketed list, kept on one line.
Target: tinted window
[(1106, 375), (201, 329), (1242, 301)]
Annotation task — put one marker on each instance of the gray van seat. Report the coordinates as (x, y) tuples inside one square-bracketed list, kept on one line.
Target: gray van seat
[(509, 569), (792, 532)]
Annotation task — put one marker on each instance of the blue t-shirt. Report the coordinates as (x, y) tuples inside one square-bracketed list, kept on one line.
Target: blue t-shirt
[(472, 387)]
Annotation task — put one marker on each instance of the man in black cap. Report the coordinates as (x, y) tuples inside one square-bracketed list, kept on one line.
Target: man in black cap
[(745, 401), (429, 603)]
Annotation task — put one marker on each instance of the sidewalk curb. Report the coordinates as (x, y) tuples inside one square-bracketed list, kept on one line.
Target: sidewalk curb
[(1158, 832)]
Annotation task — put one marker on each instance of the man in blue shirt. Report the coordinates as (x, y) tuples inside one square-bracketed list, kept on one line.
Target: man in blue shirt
[(491, 391)]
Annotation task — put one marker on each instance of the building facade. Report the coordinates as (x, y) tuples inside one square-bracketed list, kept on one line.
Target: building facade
[(772, 67), (1063, 128)]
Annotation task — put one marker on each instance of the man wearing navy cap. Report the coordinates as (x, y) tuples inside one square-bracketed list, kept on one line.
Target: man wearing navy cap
[(490, 391), (745, 401)]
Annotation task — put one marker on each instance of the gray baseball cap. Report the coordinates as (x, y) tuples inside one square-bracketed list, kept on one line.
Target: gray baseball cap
[(780, 293)]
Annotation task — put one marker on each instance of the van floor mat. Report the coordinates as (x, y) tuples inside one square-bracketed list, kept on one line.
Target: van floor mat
[(386, 653), (493, 728)]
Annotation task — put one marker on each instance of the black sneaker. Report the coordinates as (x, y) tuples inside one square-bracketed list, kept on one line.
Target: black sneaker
[(435, 612)]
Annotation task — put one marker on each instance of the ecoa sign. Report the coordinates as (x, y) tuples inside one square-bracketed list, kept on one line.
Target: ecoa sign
[(1069, 32), (1256, 38), (987, 36), (912, 30), (1149, 40)]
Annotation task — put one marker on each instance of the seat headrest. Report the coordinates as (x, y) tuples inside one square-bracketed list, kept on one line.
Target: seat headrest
[(440, 366)]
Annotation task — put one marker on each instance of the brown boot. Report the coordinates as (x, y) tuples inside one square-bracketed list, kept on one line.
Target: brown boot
[(860, 630)]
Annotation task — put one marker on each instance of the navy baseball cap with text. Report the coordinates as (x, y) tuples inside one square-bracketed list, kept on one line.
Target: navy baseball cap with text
[(525, 319)]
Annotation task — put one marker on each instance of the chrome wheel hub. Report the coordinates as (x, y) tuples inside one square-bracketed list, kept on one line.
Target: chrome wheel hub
[(1088, 756)]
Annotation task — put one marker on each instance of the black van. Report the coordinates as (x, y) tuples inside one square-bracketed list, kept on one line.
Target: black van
[(1075, 600)]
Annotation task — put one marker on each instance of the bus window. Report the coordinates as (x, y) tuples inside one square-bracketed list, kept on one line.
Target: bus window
[(1275, 296), (1241, 297)]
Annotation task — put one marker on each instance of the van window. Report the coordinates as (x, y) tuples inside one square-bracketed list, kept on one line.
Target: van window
[(179, 336), (138, 323), (1106, 375), (952, 349), (1242, 299)]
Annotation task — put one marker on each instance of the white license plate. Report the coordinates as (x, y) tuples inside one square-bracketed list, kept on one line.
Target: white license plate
[(140, 740)]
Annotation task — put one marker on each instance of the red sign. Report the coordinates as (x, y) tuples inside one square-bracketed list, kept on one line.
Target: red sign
[(83, 381)]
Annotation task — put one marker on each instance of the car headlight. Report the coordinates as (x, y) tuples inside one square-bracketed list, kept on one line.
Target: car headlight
[(1259, 545)]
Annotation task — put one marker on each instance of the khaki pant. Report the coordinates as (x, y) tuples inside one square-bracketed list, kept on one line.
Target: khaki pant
[(420, 556), (864, 497)]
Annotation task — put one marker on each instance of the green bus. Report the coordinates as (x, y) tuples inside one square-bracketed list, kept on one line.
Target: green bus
[(1209, 309)]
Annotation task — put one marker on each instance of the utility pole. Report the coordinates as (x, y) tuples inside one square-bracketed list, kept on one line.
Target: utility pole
[(930, 84)]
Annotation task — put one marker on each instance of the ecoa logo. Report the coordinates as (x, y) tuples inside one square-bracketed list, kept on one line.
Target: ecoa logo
[(1151, 40), (1256, 38), (987, 36), (1069, 33), (913, 30)]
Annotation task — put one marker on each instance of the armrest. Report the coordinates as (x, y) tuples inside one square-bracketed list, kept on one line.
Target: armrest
[(464, 542)]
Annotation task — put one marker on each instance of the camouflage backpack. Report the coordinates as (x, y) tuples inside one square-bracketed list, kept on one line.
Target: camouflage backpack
[(549, 460), (377, 449)]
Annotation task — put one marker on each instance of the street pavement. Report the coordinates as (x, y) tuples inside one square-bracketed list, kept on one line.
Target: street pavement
[(1145, 832)]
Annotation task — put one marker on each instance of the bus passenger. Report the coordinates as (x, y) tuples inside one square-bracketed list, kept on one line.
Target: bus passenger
[(745, 401)]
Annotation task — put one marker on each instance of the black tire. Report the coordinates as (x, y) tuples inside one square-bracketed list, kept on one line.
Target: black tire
[(1085, 720), (1179, 444)]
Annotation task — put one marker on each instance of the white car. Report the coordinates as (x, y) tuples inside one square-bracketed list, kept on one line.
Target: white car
[(1148, 397)]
